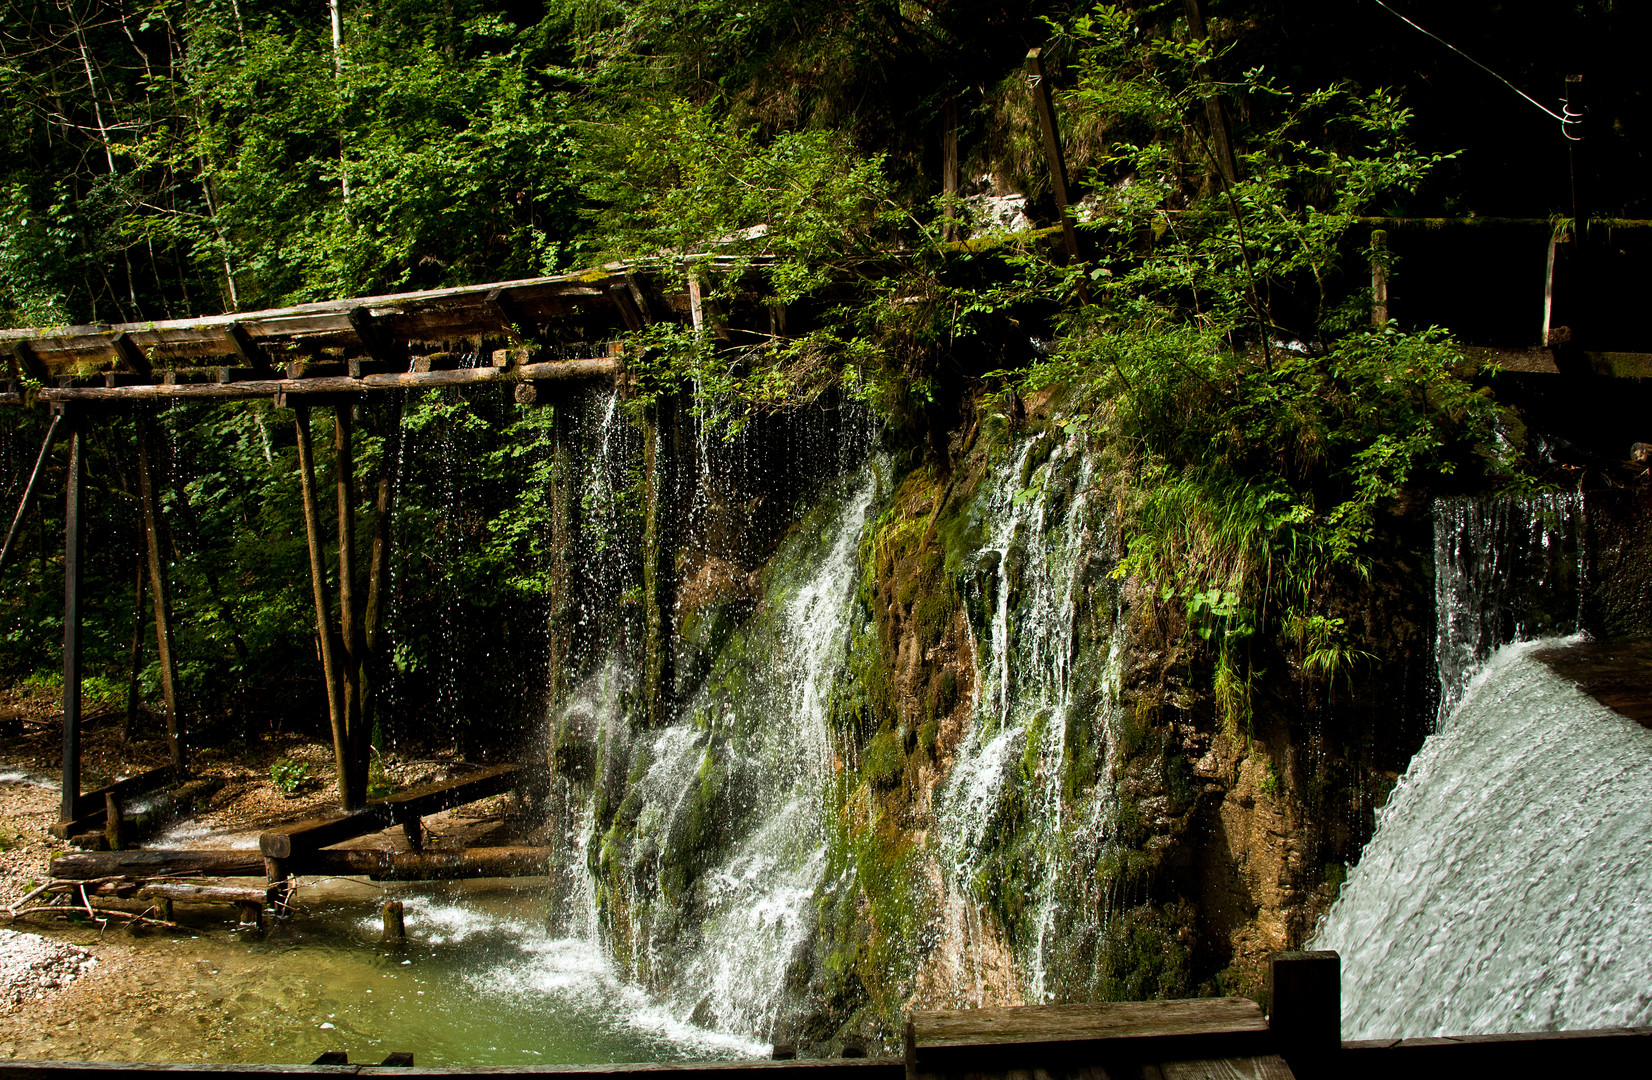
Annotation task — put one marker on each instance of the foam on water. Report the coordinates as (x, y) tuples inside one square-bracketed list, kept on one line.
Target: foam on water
[(1509, 883)]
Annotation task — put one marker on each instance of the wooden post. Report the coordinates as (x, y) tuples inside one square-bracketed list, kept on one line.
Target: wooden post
[(159, 592), (1039, 84), (114, 822), (395, 925), (323, 617), (1221, 141), (1579, 297), (374, 665), (949, 169), (132, 699), (1305, 1009), (74, 505), (1379, 277), (349, 606)]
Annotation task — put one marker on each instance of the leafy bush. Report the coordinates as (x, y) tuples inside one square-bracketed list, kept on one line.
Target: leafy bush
[(289, 776)]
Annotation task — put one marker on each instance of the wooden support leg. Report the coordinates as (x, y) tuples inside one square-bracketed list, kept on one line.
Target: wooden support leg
[(1038, 84), (114, 823), (323, 618), (1379, 278), (159, 591), (73, 545), (395, 926), (349, 608), (252, 913), (413, 829), (130, 728), (1305, 1009)]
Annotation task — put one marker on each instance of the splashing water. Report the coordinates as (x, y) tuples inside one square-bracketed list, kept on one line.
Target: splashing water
[(1509, 884)]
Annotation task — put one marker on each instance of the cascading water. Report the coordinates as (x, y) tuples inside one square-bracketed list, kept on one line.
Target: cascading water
[(1504, 570), (1507, 885), (1044, 609)]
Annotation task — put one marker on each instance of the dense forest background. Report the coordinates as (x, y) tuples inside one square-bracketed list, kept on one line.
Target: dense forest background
[(168, 159)]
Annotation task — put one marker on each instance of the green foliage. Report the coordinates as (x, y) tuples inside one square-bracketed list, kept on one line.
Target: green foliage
[(289, 776)]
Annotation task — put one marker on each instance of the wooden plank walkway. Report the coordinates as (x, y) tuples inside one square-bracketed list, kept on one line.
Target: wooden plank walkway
[(1135, 1040)]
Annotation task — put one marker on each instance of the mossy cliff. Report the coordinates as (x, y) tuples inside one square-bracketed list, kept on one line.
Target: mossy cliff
[(925, 744)]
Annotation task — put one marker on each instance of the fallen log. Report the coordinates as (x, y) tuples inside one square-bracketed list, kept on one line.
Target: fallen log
[(88, 865)]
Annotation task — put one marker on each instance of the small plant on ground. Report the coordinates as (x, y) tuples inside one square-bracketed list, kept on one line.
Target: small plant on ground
[(289, 776)]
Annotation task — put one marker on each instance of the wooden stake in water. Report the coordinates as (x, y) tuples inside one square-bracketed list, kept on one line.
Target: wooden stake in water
[(395, 926)]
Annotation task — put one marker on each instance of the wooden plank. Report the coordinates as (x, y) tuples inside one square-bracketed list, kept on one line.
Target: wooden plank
[(206, 862), (992, 1039), (829, 1069), (433, 798), (301, 838), (1264, 1067), (304, 837)]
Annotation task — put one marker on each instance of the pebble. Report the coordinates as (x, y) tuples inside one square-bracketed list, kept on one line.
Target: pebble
[(30, 965)]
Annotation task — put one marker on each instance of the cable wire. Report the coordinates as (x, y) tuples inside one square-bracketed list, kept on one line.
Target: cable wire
[(1566, 116)]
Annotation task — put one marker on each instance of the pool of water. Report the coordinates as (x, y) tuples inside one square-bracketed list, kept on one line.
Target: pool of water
[(478, 982)]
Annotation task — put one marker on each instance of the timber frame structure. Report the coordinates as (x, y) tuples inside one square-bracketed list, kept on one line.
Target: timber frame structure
[(332, 354)]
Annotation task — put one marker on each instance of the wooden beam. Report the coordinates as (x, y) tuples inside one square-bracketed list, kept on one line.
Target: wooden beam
[(510, 315), (378, 342), (627, 304), (159, 588), (1305, 1008), (204, 862), (127, 351), (429, 865), (997, 1039), (1038, 84), (74, 545), (318, 585), (551, 371), (248, 350), (27, 362), (294, 841)]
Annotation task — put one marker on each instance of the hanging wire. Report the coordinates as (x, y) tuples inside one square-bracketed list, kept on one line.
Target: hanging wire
[(1567, 117)]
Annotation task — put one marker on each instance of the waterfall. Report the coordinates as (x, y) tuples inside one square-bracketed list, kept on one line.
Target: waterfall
[(1505, 570), (1509, 884), (1048, 658)]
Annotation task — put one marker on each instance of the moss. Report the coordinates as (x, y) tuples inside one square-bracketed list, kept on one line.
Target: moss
[(927, 736), (882, 762)]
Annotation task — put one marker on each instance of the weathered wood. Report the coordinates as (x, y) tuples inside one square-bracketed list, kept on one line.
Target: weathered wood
[(334, 1064), (1038, 83), (375, 338), (395, 924), (318, 588), (444, 795), (303, 837), (130, 726), (552, 371), (113, 823), (1221, 143), (1305, 1007), (206, 862), (401, 1059), (354, 767), (510, 315), (244, 347), (73, 546), (32, 486), (949, 168), (26, 362), (974, 1040), (1379, 276), (1264, 1067), (627, 305), (428, 865), (159, 588), (130, 355), (90, 807), (202, 894)]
